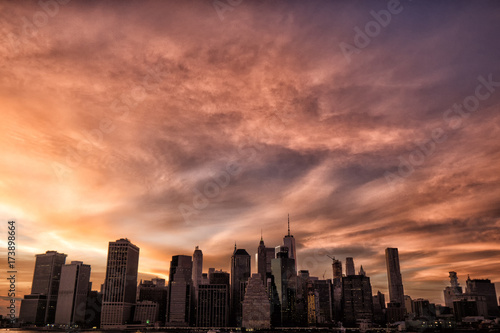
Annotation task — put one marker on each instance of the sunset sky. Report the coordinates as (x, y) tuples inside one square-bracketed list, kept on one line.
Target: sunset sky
[(177, 124)]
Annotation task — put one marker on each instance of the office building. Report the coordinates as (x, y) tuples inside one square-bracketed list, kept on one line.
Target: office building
[(379, 308), (289, 242), (357, 300), (285, 281), (154, 290), (146, 312), (324, 303), (395, 280), (240, 273), (40, 306), (484, 287), (213, 300), (120, 284), (180, 292), (73, 292), (263, 259), (197, 270)]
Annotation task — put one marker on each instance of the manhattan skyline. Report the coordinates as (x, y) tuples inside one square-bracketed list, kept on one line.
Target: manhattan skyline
[(177, 125)]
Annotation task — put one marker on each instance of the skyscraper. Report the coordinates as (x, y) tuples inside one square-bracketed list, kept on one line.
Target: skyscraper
[(73, 292), (289, 242), (40, 306), (349, 267), (240, 272), (180, 291), (154, 291), (120, 285), (197, 270), (285, 281), (357, 300), (395, 281), (484, 287), (263, 258), (213, 301)]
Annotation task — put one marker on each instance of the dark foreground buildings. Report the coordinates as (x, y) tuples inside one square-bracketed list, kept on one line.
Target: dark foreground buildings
[(278, 296)]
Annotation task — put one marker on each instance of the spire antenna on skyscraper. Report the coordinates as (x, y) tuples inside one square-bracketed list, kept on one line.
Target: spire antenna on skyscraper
[(288, 224)]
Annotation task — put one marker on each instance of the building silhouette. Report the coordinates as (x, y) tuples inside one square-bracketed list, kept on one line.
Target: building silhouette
[(146, 312), (213, 300), (180, 292), (74, 288), (39, 307), (357, 300), (379, 308), (256, 305), (120, 284), (263, 258), (486, 289), (155, 291), (285, 282), (395, 282), (240, 273), (323, 294), (289, 242), (197, 270)]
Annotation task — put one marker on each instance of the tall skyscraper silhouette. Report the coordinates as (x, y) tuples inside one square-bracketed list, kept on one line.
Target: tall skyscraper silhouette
[(349, 267), (73, 291), (180, 292), (285, 280), (289, 242), (395, 281), (197, 271), (240, 272), (120, 285), (40, 306), (263, 258)]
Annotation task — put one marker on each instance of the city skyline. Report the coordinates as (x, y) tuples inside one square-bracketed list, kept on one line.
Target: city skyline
[(180, 125), (254, 268)]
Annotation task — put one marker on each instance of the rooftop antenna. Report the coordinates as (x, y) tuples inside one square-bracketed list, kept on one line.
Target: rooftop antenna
[(289, 224)]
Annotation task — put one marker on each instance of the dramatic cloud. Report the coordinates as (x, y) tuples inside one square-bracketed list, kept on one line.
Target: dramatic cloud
[(174, 124)]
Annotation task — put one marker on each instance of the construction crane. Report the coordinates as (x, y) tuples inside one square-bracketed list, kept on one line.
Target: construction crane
[(333, 258)]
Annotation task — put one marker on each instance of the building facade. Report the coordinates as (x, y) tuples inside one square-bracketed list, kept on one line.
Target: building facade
[(120, 284), (73, 292), (240, 273), (40, 306)]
